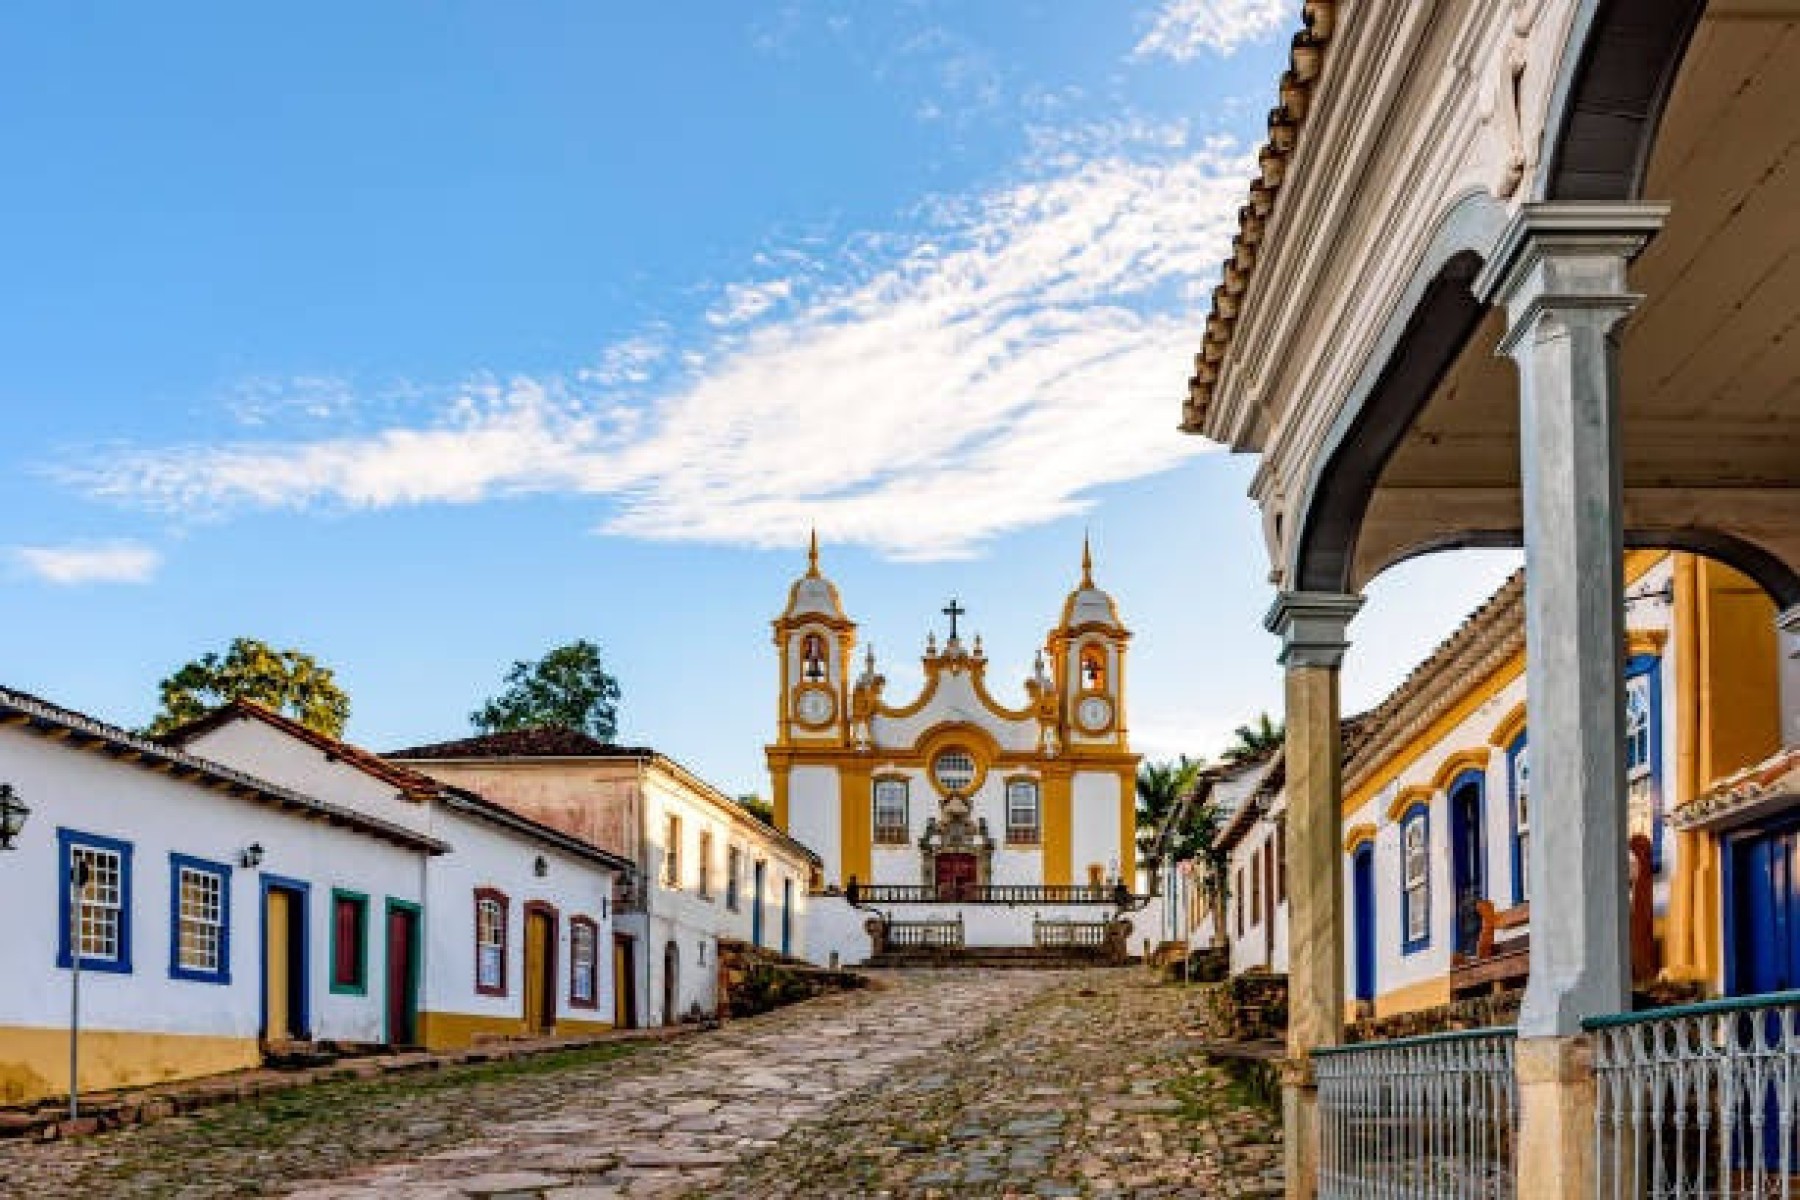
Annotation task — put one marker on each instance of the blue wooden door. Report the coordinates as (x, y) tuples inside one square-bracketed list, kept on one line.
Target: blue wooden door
[(1468, 863), (756, 904), (1763, 954), (1362, 900), (1765, 914)]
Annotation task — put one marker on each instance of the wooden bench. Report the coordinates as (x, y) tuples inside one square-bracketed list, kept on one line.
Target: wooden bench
[(1500, 962)]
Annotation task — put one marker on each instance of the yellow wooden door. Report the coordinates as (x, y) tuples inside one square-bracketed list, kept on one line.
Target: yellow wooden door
[(537, 964), (278, 932), (621, 984)]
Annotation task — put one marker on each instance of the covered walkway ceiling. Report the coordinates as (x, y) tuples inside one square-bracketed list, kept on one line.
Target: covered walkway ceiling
[(1710, 362)]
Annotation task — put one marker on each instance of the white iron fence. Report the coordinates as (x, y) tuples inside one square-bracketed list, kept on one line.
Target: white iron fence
[(1423, 1118), (1698, 1102)]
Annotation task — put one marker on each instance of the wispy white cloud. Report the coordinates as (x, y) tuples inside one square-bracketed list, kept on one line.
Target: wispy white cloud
[(1184, 29), (745, 302), (89, 562), (982, 373)]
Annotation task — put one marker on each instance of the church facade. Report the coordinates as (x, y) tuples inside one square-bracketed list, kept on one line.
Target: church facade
[(952, 805)]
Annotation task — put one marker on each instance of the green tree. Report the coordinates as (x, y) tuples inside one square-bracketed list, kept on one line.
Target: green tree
[(568, 687), (287, 681), (757, 807), (1260, 737)]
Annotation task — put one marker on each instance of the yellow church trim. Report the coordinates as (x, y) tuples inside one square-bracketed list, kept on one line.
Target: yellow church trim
[(1128, 828), (1357, 836), (856, 822), (1059, 828), (778, 786), (1406, 797), (935, 668), (1645, 641), (1474, 758), (1509, 728)]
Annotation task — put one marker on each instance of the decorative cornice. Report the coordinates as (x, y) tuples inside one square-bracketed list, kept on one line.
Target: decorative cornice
[(1306, 59), (1358, 836)]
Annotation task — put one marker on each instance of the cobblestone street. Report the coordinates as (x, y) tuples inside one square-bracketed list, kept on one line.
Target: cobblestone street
[(1001, 1083)]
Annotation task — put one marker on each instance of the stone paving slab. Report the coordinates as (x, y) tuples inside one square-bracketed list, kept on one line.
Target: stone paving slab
[(956, 1083)]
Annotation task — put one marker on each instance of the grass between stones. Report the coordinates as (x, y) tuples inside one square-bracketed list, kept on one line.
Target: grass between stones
[(264, 1145)]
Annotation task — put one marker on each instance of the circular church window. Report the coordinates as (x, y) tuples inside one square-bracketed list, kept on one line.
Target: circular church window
[(954, 770)]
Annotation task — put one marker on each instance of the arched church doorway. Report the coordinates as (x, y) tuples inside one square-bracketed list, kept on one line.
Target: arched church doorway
[(1468, 860)]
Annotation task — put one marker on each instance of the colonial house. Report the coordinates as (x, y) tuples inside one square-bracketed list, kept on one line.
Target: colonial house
[(1195, 898), (520, 913), (707, 869), (193, 897), (1438, 804), (951, 816)]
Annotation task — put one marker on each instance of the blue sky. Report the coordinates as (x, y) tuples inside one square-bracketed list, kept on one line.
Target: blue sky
[(425, 337)]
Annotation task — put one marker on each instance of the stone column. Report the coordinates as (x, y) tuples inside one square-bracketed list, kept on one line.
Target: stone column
[(1560, 271), (1311, 625)]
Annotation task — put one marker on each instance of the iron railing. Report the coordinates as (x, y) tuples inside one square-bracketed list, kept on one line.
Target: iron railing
[(1061, 935), (925, 935), (990, 893), (1423, 1117), (1698, 1101)]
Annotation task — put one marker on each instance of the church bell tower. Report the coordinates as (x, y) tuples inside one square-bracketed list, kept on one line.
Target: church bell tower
[(815, 641)]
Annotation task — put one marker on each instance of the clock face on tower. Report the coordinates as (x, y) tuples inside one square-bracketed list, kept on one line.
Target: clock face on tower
[(815, 706), (1094, 714)]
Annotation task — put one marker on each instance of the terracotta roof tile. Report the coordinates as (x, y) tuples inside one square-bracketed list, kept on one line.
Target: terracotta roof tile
[(543, 741)]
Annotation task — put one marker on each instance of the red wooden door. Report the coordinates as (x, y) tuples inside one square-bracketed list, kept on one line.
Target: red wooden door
[(402, 977), (955, 876)]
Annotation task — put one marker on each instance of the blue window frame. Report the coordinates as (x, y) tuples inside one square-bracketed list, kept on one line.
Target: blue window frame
[(199, 920), (1518, 790), (1415, 879), (1643, 750), (105, 926)]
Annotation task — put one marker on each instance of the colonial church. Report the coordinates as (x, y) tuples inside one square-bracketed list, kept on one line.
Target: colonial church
[(942, 806)]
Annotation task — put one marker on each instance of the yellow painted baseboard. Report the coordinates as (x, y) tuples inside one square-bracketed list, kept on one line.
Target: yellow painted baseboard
[(34, 1061), (453, 1031)]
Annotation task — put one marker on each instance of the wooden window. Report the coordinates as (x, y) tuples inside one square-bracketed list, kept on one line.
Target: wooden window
[(349, 942), (734, 876), (200, 914), (101, 933), (671, 873), (891, 819), (490, 941), (1022, 813), (705, 864), (1415, 879), (584, 963)]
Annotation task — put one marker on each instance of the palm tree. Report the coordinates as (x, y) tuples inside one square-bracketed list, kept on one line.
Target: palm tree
[(1264, 736), (1160, 787)]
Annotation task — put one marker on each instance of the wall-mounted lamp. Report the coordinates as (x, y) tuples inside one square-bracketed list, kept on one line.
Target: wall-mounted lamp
[(13, 812), (252, 856), (541, 867)]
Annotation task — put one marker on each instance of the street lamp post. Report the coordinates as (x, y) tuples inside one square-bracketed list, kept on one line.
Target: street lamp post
[(13, 812), (78, 879)]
